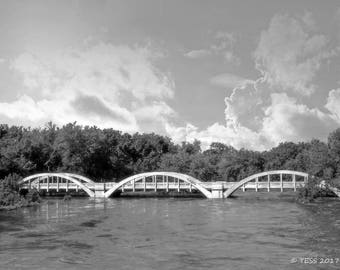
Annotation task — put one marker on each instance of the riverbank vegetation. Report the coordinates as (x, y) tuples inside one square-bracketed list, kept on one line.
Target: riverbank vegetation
[(107, 154), (10, 197)]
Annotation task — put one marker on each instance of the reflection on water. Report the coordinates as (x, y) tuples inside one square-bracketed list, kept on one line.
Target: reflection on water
[(169, 234)]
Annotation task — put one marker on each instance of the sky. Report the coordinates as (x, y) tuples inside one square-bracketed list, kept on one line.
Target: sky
[(250, 74)]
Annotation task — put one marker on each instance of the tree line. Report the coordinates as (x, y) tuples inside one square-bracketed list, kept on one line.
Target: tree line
[(111, 155)]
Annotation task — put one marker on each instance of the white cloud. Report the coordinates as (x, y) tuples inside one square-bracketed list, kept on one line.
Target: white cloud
[(223, 45), (23, 108), (100, 85), (261, 113), (195, 54), (289, 54), (228, 80), (120, 87), (283, 120), (236, 136), (333, 103), (245, 106), (286, 120)]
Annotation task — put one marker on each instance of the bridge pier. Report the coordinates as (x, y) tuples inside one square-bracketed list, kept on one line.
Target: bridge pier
[(217, 191), (99, 190)]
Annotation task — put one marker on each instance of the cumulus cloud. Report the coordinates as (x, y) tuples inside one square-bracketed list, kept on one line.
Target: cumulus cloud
[(286, 120), (234, 135), (283, 119), (121, 87), (103, 85), (261, 113), (245, 105), (289, 54), (333, 103)]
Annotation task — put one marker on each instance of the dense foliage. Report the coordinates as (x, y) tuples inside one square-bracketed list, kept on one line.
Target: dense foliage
[(10, 196), (107, 154)]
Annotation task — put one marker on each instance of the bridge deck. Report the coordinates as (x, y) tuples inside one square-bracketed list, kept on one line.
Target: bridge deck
[(140, 186)]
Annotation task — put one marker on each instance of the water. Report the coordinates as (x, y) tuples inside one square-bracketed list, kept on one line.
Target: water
[(170, 233)]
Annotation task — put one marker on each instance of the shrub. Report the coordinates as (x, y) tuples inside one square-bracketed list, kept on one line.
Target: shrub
[(314, 188), (10, 196)]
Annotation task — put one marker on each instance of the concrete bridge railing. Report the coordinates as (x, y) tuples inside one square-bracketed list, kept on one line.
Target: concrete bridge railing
[(61, 180), (268, 174)]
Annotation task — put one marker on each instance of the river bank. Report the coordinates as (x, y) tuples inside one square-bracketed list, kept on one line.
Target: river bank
[(18, 205), (12, 199)]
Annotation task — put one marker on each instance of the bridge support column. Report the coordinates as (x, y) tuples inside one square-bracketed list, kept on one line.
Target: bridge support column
[(217, 191), (167, 183), (48, 184), (268, 188), (99, 190)]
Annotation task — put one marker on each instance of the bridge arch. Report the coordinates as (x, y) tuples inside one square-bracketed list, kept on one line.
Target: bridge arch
[(138, 177), (79, 177), (74, 178), (239, 184)]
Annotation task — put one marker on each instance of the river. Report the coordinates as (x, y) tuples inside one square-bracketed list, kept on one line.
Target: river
[(171, 233)]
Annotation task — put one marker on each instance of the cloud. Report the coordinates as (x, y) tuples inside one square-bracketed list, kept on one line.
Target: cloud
[(286, 120), (333, 103), (25, 108), (101, 84), (283, 119), (121, 87), (228, 80), (289, 54), (223, 45), (93, 106), (195, 54), (262, 113), (236, 136), (245, 106), (155, 116)]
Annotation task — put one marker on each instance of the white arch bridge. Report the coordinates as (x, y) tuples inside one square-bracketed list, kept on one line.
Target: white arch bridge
[(165, 181)]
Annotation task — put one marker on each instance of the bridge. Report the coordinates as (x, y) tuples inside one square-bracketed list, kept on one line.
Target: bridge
[(165, 181)]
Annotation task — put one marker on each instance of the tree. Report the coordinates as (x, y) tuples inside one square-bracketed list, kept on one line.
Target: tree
[(334, 148), (283, 156), (318, 160)]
